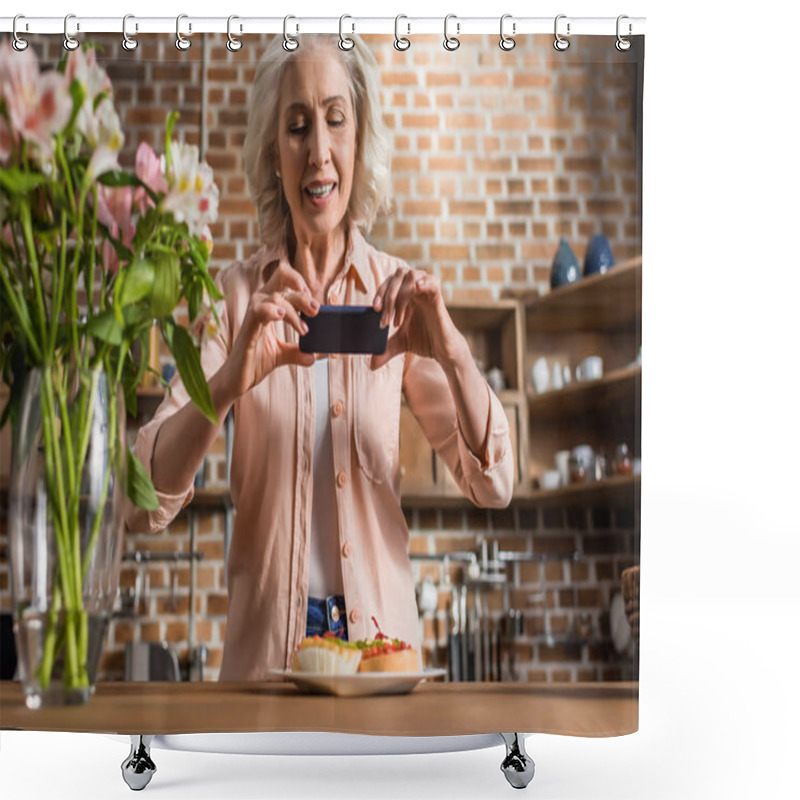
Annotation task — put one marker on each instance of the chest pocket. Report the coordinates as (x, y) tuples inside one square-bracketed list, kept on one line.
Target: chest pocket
[(377, 416)]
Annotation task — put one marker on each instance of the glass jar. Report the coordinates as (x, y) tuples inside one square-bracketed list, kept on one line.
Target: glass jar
[(622, 460), (577, 470)]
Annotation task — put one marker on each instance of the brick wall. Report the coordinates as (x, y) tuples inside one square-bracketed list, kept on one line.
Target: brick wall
[(496, 156)]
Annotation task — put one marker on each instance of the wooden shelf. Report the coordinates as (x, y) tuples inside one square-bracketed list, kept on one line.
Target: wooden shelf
[(597, 303), (619, 388), (619, 489)]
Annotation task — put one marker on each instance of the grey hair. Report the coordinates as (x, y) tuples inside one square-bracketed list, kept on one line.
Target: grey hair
[(372, 172)]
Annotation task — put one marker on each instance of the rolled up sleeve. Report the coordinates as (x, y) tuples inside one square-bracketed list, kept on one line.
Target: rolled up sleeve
[(486, 478)]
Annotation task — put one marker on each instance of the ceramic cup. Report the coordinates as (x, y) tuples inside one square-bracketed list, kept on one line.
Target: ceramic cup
[(590, 369), (550, 480), (562, 464), (540, 374), (557, 378)]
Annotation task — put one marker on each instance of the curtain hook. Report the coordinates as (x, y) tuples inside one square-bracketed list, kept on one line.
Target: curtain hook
[(451, 43), (345, 42), (623, 44), (506, 42), (18, 43), (128, 42), (400, 42), (290, 43), (560, 42), (70, 42), (181, 42), (233, 44)]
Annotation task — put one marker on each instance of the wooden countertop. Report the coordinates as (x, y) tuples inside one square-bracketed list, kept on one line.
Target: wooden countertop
[(432, 709)]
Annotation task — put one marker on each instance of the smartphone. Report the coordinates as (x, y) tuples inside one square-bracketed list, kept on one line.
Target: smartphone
[(344, 329)]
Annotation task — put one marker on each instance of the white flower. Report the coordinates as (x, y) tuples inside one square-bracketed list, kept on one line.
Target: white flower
[(205, 326), (108, 140), (192, 197)]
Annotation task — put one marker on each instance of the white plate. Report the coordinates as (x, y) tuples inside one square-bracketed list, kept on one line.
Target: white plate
[(362, 684)]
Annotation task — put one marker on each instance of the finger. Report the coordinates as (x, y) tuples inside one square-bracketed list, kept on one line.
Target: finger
[(290, 354), (394, 347), (285, 278), (377, 302), (291, 314), (303, 302), (390, 297), (263, 310), (407, 291)]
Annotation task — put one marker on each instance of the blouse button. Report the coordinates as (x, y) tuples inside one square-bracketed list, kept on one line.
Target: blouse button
[(341, 479), (337, 409), (355, 615), (347, 550)]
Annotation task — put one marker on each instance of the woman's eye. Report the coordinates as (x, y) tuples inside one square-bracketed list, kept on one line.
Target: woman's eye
[(335, 123), (298, 127)]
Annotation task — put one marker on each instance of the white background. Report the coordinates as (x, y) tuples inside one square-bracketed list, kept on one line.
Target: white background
[(721, 607)]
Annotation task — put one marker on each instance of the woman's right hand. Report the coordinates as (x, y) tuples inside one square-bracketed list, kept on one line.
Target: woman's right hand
[(258, 350)]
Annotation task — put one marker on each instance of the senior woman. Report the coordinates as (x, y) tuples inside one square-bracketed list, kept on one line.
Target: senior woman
[(320, 541)]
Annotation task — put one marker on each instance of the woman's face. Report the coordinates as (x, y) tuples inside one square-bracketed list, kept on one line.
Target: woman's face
[(316, 142)]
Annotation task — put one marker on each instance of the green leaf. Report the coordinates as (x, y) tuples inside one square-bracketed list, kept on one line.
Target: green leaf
[(140, 488), (78, 94), (138, 282), (116, 178), (106, 327), (166, 283), (16, 181), (187, 359), (195, 297), (172, 118)]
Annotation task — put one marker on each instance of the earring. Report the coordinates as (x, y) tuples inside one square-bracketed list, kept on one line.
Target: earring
[(277, 175)]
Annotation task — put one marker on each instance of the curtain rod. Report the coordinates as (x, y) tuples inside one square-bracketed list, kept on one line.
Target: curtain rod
[(405, 26)]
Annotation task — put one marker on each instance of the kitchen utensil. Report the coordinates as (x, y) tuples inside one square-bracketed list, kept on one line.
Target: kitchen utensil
[(590, 369), (540, 375), (427, 596), (562, 464), (453, 640), (600, 467), (463, 633), (550, 480), (565, 269), (598, 258)]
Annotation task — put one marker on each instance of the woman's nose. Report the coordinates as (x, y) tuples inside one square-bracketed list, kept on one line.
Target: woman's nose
[(319, 145)]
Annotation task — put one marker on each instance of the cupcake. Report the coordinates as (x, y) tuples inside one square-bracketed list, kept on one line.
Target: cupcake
[(326, 655)]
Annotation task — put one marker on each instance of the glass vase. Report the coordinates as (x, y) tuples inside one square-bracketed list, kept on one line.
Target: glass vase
[(66, 529)]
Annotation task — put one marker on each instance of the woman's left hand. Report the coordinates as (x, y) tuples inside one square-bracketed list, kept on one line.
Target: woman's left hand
[(412, 300)]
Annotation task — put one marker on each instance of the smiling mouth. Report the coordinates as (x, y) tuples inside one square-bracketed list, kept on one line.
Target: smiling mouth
[(320, 191)]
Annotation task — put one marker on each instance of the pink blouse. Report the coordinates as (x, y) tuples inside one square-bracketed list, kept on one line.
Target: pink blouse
[(271, 474)]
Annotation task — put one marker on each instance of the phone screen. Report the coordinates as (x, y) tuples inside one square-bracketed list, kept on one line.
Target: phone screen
[(344, 329)]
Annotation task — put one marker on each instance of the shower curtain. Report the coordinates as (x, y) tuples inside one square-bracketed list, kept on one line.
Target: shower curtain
[(515, 181)]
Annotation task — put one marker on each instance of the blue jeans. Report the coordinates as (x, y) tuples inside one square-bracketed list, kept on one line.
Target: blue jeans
[(326, 614)]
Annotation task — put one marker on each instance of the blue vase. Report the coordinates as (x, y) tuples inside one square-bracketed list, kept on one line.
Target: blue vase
[(565, 268), (599, 258)]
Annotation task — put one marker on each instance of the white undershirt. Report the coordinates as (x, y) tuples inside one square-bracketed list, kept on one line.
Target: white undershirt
[(324, 570)]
